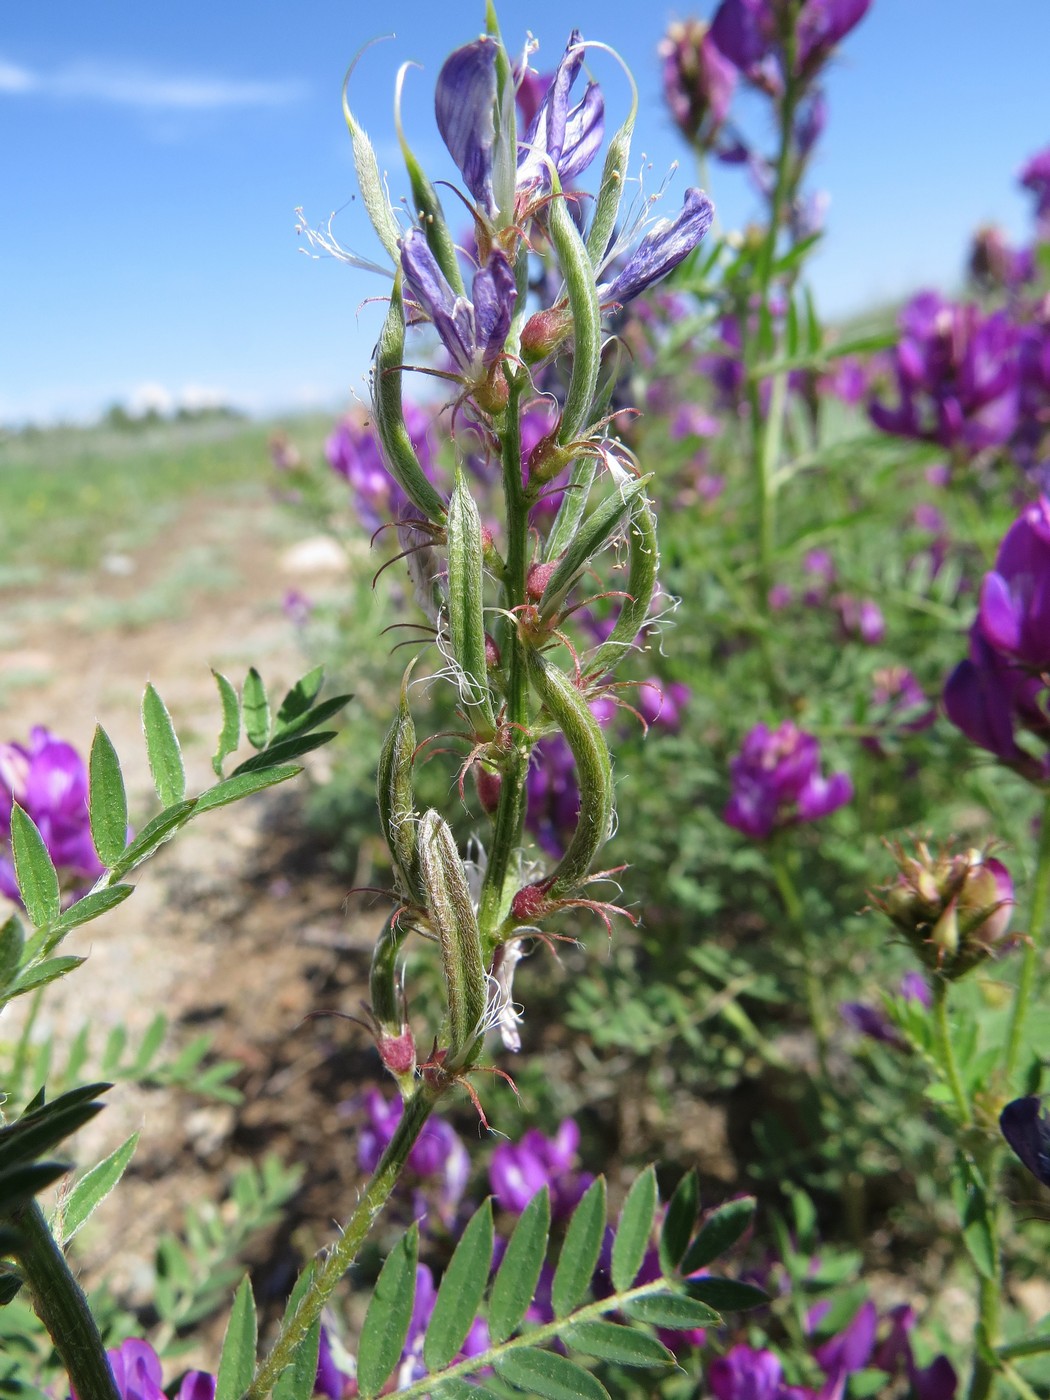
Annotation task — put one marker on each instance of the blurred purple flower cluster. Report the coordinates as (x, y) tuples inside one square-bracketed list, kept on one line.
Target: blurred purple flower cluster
[(753, 1373), (1000, 690), (776, 782), (438, 1158), (872, 1021), (353, 452), (137, 1372), (49, 781)]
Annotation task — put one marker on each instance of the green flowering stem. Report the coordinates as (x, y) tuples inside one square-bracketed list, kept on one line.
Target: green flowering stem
[(985, 1371), (1030, 959), (344, 1251), (59, 1302), (945, 1053), (510, 813)]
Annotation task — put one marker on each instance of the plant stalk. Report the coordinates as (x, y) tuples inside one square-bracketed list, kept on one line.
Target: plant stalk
[(59, 1302), (945, 1052), (344, 1251)]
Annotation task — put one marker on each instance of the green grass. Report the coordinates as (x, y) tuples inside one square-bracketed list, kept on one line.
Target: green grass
[(72, 495)]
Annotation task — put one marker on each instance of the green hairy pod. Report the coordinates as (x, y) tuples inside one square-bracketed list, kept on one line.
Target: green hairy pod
[(466, 607), (568, 708), (398, 453), (593, 536), (452, 915), (586, 317), (373, 190), (644, 565), (396, 806), (610, 194)]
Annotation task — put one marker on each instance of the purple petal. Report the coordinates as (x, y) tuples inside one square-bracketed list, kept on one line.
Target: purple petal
[(495, 291), (464, 105), (662, 248)]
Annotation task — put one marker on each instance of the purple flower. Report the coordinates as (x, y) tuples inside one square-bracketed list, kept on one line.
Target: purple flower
[(745, 1374), (698, 80), (518, 1170), (465, 109), (473, 333), (862, 617), (49, 782), (873, 1022), (957, 376), (436, 1153), (1035, 176), (749, 33), (137, 1373), (568, 138), (353, 451), (662, 705), (1001, 687), (850, 1349), (893, 1354), (776, 782), (661, 250)]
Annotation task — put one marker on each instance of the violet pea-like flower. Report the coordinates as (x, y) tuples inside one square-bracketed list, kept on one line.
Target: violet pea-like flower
[(474, 333), (666, 244), (567, 138), (777, 782), (465, 108)]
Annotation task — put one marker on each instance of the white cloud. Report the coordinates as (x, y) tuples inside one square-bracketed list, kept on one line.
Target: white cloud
[(138, 87)]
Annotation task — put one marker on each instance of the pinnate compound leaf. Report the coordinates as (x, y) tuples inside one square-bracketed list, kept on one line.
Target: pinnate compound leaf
[(297, 1382), (162, 749), (719, 1232), (632, 1235), (679, 1221), (672, 1310), (94, 1186), (243, 785), (388, 1317), (12, 941), (726, 1294), (154, 835), (107, 800), (515, 1283), (580, 1249), (461, 1291), (625, 1346), (237, 1362), (299, 699), (230, 737), (255, 706), (34, 869), (549, 1375)]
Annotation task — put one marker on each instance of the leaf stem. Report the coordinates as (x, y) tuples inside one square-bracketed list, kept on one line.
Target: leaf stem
[(945, 1053), (344, 1251), (59, 1302)]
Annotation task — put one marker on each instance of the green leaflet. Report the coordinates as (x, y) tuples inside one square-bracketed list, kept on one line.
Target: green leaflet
[(388, 1317), (162, 749)]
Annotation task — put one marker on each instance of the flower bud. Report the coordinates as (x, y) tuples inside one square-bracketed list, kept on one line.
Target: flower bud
[(394, 1038), (544, 332), (953, 909), (548, 459)]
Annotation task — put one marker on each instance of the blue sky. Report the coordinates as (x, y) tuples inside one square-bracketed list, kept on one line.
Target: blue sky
[(155, 155)]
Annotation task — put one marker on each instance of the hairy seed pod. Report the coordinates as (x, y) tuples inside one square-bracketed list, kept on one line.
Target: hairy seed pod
[(452, 914), (593, 536), (397, 813), (586, 317), (614, 175), (399, 456), (466, 610), (643, 567), (569, 709)]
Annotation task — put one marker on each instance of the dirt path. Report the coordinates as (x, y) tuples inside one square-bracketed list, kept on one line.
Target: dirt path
[(237, 928)]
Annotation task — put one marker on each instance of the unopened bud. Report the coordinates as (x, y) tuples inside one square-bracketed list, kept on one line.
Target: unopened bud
[(544, 332), (953, 909), (548, 459), (492, 394), (488, 785), (537, 579)]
